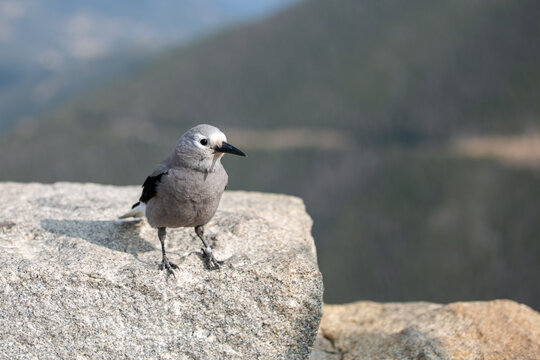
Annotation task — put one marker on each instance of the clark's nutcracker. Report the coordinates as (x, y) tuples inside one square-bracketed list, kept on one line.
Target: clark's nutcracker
[(184, 190)]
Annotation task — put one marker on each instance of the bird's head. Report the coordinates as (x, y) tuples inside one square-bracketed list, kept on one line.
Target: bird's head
[(207, 142)]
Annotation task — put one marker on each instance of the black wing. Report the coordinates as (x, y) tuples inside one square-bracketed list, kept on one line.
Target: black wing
[(150, 187)]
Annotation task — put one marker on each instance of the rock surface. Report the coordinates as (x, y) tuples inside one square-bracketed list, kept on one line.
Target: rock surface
[(75, 282), (500, 329)]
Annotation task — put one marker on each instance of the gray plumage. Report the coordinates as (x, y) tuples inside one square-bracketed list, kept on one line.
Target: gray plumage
[(184, 190)]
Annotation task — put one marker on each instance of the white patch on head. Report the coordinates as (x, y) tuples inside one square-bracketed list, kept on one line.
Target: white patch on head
[(214, 139), (217, 138)]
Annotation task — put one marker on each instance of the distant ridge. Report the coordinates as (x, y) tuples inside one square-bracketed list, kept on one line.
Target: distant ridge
[(387, 71)]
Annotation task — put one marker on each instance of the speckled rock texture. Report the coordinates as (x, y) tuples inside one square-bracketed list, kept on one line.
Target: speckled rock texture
[(76, 283), (493, 330)]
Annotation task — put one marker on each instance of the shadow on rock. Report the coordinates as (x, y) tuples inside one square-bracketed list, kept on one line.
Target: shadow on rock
[(115, 235)]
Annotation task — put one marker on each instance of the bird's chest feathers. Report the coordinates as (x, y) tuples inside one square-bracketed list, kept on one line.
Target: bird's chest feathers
[(196, 186)]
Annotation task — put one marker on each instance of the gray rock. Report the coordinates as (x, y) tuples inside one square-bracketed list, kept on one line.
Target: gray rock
[(77, 283)]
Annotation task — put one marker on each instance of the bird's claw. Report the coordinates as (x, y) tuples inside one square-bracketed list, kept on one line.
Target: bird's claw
[(169, 266), (211, 262)]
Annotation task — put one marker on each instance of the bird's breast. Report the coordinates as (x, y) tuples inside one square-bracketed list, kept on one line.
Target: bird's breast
[(186, 198)]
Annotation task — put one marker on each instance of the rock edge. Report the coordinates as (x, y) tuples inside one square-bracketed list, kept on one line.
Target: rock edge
[(78, 283)]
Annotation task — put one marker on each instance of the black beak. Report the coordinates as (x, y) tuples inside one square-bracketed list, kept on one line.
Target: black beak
[(229, 149)]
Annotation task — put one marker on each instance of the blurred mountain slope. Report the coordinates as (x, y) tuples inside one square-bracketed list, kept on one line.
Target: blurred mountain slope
[(53, 50)]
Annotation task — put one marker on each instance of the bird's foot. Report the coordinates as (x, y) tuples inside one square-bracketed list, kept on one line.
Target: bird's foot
[(167, 265), (211, 262)]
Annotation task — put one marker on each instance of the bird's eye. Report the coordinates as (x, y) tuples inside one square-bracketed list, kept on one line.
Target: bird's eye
[(204, 142)]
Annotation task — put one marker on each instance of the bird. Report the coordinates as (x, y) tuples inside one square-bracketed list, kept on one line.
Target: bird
[(185, 189)]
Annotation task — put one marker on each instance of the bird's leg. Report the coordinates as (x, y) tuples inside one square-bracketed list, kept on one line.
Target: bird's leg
[(165, 263), (211, 262)]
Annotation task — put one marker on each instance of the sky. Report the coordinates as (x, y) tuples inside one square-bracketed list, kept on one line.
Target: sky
[(52, 32)]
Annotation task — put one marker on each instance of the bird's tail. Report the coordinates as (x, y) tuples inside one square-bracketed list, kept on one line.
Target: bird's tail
[(138, 210)]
